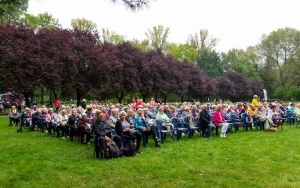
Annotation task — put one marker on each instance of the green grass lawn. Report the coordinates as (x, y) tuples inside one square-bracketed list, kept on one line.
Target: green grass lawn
[(243, 159)]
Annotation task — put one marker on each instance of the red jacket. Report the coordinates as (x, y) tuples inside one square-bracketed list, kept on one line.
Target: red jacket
[(57, 103), (218, 118)]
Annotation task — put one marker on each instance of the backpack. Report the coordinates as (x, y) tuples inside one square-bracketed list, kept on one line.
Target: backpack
[(128, 149), (112, 150)]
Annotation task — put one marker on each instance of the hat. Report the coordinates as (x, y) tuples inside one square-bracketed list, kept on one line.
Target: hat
[(255, 96)]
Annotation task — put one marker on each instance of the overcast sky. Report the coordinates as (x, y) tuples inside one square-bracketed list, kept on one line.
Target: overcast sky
[(236, 23)]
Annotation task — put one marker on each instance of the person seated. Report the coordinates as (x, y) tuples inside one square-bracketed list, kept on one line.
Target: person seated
[(148, 114), (251, 112), (130, 117), (113, 118), (104, 134), (219, 120), (276, 117), (123, 127), (167, 111), (194, 112), (175, 112), (83, 125), (13, 116), (36, 116), (162, 116), (205, 121), (260, 113), (62, 120), (141, 125), (25, 119), (52, 123), (45, 120), (71, 129)]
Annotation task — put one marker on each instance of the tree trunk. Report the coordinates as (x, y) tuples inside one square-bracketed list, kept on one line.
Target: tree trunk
[(26, 100), (42, 95), (78, 96), (144, 97), (181, 98)]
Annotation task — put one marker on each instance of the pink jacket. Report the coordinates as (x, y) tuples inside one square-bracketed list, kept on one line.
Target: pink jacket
[(218, 118)]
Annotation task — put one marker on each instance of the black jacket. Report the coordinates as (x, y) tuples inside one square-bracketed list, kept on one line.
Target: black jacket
[(204, 118), (101, 128)]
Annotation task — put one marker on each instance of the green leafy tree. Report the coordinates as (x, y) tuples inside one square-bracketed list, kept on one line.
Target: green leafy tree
[(11, 10), (278, 48), (42, 20), (182, 52), (142, 45), (83, 24), (202, 41), (210, 62), (238, 60), (108, 36), (158, 37)]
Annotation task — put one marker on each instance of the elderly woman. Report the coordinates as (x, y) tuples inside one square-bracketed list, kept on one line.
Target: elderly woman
[(13, 116), (84, 128), (122, 126), (219, 120), (141, 125), (260, 113), (52, 123), (62, 120)]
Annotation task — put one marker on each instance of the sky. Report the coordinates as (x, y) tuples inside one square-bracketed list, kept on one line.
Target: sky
[(236, 23)]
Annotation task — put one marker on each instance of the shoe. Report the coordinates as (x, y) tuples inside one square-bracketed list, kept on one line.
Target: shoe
[(46, 131), (63, 137), (182, 134), (137, 151), (222, 135), (88, 143), (273, 129)]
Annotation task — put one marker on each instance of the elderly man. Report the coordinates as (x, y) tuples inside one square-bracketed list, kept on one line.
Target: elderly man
[(104, 133), (206, 124), (261, 113)]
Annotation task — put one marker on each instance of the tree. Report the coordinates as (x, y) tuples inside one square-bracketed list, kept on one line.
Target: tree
[(20, 60), (278, 48), (203, 41), (158, 37), (42, 20), (83, 24), (11, 10), (237, 60), (108, 36), (142, 45), (182, 52), (210, 62)]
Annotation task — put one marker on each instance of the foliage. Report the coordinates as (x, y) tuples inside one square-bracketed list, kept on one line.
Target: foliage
[(134, 5), (158, 37), (11, 10), (210, 62), (83, 24), (108, 36), (202, 41), (42, 20), (182, 52)]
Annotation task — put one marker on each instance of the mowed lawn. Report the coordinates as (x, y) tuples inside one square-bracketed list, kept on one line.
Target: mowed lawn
[(243, 159)]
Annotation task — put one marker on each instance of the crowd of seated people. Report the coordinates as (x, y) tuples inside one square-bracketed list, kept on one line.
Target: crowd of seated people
[(117, 122)]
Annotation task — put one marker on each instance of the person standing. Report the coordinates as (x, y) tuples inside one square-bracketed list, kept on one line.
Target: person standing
[(56, 105), (255, 101)]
